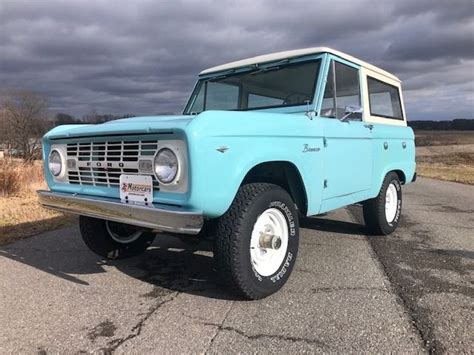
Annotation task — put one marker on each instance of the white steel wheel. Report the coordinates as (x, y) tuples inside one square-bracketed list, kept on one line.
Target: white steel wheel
[(269, 242), (122, 233), (391, 202)]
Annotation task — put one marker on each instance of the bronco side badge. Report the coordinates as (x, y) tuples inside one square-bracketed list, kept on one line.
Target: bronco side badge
[(307, 148)]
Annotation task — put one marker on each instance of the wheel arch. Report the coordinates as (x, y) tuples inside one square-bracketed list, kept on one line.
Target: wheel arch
[(400, 173), (404, 172), (284, 174)]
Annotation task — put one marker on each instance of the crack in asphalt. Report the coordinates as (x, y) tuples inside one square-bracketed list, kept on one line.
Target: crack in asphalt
[(199, 319), (137, 328), (344, 289), (270, 336), (219, 327)]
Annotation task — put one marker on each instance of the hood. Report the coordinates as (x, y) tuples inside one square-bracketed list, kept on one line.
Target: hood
[(134, 125)]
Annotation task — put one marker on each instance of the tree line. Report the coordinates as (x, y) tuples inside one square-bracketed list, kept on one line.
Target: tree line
[(460, 124)]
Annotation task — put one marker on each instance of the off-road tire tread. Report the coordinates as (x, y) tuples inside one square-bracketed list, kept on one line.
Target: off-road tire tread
[(228, 232)]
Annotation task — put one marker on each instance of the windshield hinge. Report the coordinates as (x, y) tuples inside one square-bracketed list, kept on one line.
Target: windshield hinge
[(309, 113)]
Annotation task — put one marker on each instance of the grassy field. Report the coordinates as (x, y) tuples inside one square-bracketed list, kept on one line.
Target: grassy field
[(446, 155), (20, 214)]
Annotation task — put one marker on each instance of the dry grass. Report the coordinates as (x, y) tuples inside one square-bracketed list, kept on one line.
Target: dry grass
[(17, 177), (448, 138), (446, 155), (20, 214), (463, 175)]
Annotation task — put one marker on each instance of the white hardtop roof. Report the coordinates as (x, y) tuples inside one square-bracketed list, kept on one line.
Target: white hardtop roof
[(296, 53)]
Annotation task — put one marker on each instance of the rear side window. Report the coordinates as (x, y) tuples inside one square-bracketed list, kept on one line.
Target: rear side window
[(384, 99)]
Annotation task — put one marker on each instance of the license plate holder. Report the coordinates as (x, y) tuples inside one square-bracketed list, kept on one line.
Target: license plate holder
[(136, 189)]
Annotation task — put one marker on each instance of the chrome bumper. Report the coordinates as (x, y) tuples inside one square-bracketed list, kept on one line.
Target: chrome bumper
[(157, 216)]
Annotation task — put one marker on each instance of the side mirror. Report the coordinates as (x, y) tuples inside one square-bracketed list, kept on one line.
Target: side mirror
[(351, 110)]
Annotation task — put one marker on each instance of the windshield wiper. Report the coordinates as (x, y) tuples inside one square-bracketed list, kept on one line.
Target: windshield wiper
[(273, 66), (223, 76), (249, 69)]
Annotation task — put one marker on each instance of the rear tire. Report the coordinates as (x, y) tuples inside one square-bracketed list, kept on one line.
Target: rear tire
[(382, 213), (254, 269), (114, 240)]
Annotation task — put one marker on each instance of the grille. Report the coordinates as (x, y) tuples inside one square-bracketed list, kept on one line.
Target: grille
[(102, 163)]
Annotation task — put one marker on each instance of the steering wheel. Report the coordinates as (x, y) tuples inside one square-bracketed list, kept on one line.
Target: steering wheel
[(288, 98)]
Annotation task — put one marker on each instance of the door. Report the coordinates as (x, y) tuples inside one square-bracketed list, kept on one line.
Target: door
[(348, 144)]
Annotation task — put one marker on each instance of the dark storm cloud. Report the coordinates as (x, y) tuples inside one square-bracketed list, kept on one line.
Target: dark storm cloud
[(142, 57)]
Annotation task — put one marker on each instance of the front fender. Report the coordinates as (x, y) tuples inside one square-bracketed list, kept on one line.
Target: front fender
[(217, 176)]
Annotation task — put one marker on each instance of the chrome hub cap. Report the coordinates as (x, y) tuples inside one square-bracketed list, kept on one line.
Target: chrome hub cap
[(269, 242), (122, 233)]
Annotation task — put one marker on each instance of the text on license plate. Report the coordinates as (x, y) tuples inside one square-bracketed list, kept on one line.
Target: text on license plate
[(136, 188)]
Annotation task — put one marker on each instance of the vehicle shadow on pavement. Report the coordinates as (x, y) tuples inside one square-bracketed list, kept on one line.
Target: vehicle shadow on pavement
[(333, 226), (170, 264), (60, 253)]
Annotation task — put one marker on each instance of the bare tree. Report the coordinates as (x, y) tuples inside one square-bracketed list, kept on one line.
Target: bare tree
[(25, 121)]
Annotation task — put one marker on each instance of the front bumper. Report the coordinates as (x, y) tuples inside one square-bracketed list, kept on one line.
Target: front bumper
[(158, 217)]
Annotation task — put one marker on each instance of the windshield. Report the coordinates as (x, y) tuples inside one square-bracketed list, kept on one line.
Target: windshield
[(273, 86)]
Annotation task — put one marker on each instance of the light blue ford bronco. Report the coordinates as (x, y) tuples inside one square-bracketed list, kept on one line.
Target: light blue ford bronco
[(261, 142)]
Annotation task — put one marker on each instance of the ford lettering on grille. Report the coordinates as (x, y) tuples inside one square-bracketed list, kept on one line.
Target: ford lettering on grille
[(102, 163)]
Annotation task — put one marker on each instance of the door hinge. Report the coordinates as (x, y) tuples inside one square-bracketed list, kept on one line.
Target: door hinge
[(325, 183), (325, 142)]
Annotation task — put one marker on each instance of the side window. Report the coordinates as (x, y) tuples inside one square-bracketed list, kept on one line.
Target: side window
[(342, 89), (384, 99), (221, 96)]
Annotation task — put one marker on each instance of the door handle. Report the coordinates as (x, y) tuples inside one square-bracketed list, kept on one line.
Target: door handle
[(369, 126)]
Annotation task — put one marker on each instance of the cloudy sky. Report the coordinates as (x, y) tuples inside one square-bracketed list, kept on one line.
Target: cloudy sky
[(142, 57)]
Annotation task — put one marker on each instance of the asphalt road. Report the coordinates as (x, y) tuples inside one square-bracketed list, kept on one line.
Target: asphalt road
[(410, 292)]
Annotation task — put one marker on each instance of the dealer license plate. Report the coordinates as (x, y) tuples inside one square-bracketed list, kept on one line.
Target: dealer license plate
[(136, 188)]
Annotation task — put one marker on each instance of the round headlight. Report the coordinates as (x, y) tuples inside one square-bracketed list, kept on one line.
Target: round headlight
[(55, 163), (166, 165)]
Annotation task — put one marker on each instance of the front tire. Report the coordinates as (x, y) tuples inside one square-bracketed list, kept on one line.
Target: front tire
[(257, 239), (114, 240), (382, 213)]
